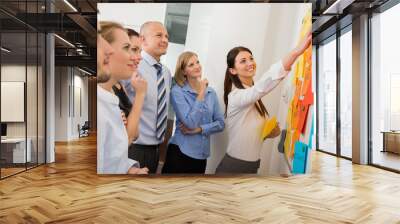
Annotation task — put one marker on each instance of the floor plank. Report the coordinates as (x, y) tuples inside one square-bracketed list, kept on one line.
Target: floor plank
[(70, 191)]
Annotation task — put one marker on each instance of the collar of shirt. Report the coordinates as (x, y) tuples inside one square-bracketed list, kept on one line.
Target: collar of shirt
[(149, 59), (189, 89), (107, 96)]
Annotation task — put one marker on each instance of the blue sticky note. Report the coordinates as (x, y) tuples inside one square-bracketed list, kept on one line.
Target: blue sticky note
[(310, 142), (300, 158)]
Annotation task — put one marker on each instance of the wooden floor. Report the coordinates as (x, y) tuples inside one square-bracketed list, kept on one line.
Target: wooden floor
[(10, 171), (69, 191)]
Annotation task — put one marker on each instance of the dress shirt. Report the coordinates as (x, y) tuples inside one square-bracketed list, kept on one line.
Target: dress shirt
[(193, 114), (148, 118), (112, 138)]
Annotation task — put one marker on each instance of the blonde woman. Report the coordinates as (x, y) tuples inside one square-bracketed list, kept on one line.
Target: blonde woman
[(112, 136), (198, 116)]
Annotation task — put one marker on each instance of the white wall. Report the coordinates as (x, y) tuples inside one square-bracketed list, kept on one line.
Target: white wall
[(61, 103), (34, 124), (131, 15), (80, 83), (199, 29), (16, 73), (66, 121), (174, 50)]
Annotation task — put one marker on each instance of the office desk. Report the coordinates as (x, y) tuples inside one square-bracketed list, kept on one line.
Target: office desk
[(13, 150), (391, 141)]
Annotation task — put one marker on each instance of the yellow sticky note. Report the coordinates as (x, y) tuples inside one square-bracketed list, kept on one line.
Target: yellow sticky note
[(269, 125), (287, 143)]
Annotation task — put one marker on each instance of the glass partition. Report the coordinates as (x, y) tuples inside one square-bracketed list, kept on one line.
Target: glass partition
[(327, 96)]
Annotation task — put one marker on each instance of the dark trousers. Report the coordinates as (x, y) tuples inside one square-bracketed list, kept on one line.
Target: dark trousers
[(230, 165), (177, 162), (146, 155)]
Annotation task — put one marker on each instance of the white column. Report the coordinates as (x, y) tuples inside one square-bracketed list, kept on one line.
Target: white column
[(360, 90), (50, 99)]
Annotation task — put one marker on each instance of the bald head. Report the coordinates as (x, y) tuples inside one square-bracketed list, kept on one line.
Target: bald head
[(149, 25), (155, 38)]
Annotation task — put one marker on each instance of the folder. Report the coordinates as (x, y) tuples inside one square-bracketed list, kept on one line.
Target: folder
[(269, 125), (300, 158), (310, 139)]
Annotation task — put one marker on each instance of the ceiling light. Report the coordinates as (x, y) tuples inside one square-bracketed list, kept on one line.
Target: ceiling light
[(86, 72), (70, 5), (64, 40), (337, 7), (5, 50)]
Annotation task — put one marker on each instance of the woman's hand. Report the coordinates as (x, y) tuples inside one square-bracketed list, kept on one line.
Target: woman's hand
[(139, 84), (296, 52), (202, 89), (275, 132), (135, 170), (303, 45), (187, 131)]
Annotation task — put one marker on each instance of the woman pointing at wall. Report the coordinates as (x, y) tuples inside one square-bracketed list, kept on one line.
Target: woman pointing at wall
[(245, 112)]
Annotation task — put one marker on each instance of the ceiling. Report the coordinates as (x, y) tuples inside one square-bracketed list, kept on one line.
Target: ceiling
[(329, 16), (75, 21), (72, 20)]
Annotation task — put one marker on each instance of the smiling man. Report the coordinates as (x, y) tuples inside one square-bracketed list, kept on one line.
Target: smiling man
[(153, 121)]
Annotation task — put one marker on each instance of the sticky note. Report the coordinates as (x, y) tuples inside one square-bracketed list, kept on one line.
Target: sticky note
[(300, 158), (269, 125)]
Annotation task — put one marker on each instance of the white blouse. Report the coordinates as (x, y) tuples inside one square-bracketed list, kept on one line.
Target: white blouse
[(112, 138), (243, 122)]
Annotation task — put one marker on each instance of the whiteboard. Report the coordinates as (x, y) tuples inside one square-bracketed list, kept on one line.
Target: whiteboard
[(12, 101)]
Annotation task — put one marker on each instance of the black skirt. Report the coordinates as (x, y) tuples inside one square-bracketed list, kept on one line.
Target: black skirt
[(177, 162)]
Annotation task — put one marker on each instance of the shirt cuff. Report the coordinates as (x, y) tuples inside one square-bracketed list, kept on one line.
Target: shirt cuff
[(134, 163), (280, 71), (205, 128)]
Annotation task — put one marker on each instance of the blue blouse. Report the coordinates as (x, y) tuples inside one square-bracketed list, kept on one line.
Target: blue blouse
[(193, 114)]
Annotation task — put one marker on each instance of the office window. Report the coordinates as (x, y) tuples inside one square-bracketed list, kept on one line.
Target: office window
[(385, 89), (327, 96), (22, 91), (346, 93), (13, 87)]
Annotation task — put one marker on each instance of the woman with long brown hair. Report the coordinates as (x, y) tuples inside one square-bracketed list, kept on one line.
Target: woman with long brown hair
[(245, 113)]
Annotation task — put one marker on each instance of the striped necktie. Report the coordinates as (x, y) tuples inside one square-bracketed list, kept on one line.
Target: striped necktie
[(161, 103)]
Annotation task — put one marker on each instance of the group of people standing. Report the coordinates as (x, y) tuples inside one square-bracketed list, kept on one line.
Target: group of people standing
[(135, 91)]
